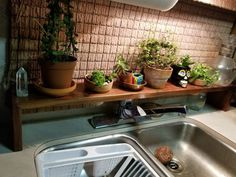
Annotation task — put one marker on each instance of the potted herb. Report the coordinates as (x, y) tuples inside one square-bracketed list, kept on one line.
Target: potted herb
[(58, 45), (156, 57), (181, 71), (125, 74), (98, 82), (203, 75)]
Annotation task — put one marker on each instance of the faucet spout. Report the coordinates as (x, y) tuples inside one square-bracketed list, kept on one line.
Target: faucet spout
[(167, 108)]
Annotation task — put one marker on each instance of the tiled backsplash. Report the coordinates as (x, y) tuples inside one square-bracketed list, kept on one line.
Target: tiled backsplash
[(108, 28)]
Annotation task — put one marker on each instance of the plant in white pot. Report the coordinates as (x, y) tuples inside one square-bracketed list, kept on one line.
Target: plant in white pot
[(58, 45), (156, 57)]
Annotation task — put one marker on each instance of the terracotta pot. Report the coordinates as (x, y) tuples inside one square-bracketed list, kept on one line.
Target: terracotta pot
[(157, 78), (131, 78), (94, 88), (199, 82), (58, 75), (126, 78)]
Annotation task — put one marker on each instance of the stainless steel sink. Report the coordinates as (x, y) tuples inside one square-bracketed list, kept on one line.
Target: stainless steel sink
[(111, 156), (198, 150)]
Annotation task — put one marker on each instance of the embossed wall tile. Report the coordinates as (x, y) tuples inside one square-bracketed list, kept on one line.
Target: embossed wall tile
[(124, 23), (102, 30), (104, 65), (136, 24), (109, 30), (95, 29), (91, 57), (85, 47), (94, 38), (83, 65), (114, 40), (101, 39), (93, 48), (116, 31), (98, 57), (117, 22), (90, 65), (120, 49), (106, 48), (97, 65), (100, 48), (108, 39)]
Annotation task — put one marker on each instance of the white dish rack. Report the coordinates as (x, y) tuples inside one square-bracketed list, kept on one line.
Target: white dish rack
[(102, 160)]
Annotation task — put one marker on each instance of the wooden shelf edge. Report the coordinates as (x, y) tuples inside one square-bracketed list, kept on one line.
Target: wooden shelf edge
[(80, 96)]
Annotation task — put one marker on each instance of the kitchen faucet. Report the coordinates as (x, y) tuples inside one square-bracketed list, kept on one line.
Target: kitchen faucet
[(128, 112)]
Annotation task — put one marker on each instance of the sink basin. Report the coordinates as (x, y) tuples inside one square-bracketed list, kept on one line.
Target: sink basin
[(111, 156), (198, 150)]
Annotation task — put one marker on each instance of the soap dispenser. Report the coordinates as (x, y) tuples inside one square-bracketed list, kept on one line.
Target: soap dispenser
[(21, 83)]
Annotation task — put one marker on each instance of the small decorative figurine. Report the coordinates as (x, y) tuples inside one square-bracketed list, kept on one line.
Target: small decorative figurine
[(181, 71), (21, 83)]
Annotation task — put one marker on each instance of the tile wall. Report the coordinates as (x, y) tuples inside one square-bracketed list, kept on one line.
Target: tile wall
[(108, 28)]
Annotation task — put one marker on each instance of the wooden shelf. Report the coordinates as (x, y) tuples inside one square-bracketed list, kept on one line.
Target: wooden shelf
[(80, 96), (220, 98)]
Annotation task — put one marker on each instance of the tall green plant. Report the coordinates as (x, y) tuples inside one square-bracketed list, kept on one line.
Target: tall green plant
[(59, 23), (157, 53)]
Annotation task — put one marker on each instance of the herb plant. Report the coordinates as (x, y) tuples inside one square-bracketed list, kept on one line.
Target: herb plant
[(99, 78), (59, 23), (157, 53), (204, 72), (185, 61)]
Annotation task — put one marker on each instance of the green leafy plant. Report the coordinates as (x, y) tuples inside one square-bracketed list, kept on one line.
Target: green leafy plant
[(59, 25), (121, 66), (99, 78), (185, 61), (157, 53), (204, 72)]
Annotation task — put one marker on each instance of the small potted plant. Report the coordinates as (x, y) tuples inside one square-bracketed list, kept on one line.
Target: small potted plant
[(125, 74), (58, 45), (203, 75), (98, 81), (156, 57), (181, 71)]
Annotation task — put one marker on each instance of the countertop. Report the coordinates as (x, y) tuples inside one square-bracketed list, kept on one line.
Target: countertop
[(21, 164)]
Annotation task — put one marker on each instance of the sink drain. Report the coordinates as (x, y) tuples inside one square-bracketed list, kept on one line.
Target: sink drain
[(175, 166)]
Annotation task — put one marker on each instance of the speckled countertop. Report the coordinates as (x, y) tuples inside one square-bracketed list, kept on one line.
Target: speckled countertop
[(21, 164)]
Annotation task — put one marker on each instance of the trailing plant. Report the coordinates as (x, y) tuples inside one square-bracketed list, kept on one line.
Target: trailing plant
[(99, 78), (204, 72), (157, 53), (59, 25), (184, 61)]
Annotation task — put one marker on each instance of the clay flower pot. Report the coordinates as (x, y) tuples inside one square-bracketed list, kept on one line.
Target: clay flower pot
[(199, 82), (57, 75), (157, 78)]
